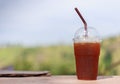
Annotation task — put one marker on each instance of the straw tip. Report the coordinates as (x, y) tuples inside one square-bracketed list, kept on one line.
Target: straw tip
[(75, 8)]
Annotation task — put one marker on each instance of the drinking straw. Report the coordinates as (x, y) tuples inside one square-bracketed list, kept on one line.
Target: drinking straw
[(83, 20)]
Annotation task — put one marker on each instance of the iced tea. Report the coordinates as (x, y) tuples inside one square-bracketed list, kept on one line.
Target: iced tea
[(87, 56)]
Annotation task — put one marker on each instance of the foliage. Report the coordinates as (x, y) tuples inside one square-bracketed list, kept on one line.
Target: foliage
[(59, 59)]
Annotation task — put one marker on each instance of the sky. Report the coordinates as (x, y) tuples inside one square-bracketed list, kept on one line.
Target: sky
[(46, 22)]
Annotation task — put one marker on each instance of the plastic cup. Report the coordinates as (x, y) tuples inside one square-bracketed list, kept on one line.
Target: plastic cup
[(86, 51)]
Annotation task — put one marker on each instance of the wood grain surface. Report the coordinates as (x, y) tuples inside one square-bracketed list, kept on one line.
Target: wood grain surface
[(59, 80)]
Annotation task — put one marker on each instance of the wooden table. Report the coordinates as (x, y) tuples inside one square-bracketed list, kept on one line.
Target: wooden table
[(59, 80)]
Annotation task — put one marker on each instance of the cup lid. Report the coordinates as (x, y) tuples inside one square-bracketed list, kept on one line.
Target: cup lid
[(92, 35)]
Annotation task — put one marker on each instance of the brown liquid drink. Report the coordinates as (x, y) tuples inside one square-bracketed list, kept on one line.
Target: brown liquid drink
[(87, 55), (86, 50)]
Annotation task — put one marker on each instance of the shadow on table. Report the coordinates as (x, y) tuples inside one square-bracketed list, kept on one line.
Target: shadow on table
[(104, 77)]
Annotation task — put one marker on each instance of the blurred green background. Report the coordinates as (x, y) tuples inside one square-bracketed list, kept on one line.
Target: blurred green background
[(59, 58)]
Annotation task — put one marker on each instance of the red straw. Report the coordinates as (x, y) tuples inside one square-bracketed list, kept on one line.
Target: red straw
[(81, 17)]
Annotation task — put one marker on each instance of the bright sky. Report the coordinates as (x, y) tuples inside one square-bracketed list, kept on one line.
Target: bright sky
[(32, 22)]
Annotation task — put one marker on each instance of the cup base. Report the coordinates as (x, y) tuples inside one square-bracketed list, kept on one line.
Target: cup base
[(87, 78)]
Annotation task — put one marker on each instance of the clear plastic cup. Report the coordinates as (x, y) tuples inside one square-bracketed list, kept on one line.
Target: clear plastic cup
[(86, 51)]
